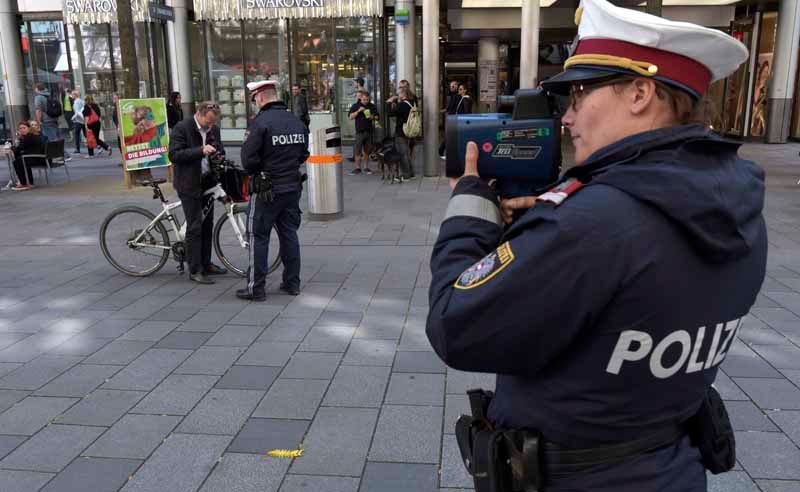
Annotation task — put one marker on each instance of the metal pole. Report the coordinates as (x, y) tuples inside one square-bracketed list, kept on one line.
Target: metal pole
[(529, 45), (405, 45), (431, 84), (11, 64), (653, 7), (782, 85)]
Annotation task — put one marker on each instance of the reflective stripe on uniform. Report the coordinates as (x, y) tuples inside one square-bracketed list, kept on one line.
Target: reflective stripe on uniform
[(473, 206), (252, 238)]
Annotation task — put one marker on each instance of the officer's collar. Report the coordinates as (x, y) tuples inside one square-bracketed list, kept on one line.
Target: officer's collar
[(274, 105)]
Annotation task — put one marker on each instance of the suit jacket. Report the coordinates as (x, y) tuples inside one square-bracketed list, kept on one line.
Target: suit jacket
[(186, 154)]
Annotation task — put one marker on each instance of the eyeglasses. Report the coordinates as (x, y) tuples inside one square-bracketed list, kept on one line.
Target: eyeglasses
[(579, 91)]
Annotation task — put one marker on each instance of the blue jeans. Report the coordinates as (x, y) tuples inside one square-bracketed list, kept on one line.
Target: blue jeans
[(51, 133), (284, 214)]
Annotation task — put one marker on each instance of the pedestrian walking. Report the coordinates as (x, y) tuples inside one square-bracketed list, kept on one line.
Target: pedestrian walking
[(93, 117), (464, 105), (300, 105), (451, 106), (79, 127), (174, 110), (608, 306), (272, 154), (48, 110)]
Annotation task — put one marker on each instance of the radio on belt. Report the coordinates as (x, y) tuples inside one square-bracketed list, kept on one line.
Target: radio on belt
[(522, 150)]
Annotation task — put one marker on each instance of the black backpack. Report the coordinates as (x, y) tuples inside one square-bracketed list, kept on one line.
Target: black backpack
[(53, 107)]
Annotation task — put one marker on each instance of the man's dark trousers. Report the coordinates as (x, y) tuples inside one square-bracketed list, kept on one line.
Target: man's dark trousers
[(198, 231), (284, 214)]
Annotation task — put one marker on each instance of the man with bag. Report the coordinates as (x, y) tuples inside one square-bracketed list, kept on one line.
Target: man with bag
[(364, 112), (408, 126), (48, 110)]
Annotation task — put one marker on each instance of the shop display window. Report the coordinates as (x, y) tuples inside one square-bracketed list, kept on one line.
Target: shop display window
[(795, 129), (355, 45), (225, 57), (735, 100), (763, 74), (265, 58), (314, 55)]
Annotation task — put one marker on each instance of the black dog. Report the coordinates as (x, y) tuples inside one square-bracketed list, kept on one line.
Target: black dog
[(389, 158)]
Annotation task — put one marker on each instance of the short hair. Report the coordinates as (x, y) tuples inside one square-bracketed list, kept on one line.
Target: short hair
[(296, 85), (206, 107), (23, 123), (360, 81), (362, 93), (39, 86)]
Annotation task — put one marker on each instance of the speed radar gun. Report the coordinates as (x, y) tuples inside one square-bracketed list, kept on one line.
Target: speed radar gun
[(520, 146)]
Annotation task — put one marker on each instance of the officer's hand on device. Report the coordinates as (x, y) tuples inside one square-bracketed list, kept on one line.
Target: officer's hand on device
[(208, 150), (509, 206), (470, 164)]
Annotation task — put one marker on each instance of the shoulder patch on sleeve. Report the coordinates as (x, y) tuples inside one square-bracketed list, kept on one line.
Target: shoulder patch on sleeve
[(483, 271)]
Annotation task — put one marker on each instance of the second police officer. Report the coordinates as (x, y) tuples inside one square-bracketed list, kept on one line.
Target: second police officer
[(276, 146)]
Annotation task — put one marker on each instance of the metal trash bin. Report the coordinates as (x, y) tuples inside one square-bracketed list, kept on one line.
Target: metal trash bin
[(325, 170)]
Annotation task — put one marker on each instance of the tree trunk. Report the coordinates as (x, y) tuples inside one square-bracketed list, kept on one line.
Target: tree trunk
[(653, 7), (127, 45)]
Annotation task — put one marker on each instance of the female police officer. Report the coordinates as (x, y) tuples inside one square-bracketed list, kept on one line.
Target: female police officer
[(607, 308)]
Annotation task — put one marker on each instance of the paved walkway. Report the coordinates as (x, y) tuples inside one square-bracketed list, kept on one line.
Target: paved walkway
[(111, 383)]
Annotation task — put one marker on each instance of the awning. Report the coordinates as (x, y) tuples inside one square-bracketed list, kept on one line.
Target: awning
[(285, 9), (101, 11)]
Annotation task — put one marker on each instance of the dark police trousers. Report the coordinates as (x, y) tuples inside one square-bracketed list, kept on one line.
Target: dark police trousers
[(284, 214), (198, 231)]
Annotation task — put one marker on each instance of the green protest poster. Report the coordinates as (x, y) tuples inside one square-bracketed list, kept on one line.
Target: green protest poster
[(144, 133)]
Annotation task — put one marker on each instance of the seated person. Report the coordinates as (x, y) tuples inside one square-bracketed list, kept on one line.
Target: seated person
[(28, 143)]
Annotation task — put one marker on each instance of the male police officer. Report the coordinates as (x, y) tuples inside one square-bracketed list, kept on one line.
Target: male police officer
[(275, 148), (607, 308)]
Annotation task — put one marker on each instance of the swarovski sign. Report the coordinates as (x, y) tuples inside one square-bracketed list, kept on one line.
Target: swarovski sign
[(101, 11), (90, 6), (283, 4), (285, 9)]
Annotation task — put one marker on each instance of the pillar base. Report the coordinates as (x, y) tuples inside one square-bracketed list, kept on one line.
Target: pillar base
[(779, 120)]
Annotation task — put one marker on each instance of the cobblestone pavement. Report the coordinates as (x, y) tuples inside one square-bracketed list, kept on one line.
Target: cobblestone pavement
[(109, 382)]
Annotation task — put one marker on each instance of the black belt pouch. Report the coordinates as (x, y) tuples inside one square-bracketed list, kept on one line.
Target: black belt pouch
[(711, 431)]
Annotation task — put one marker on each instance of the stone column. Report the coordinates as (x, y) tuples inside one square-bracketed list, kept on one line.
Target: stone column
[(488, 61), (529, 45), (784, 72), (431, 82), (180, 55), (405, 45), (11, 65)]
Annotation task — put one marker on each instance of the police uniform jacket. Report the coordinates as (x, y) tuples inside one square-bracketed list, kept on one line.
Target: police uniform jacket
[(607, 316), (277, 144)]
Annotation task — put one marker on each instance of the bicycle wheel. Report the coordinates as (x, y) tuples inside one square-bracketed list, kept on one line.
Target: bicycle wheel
[(141, 258), (231, 252)]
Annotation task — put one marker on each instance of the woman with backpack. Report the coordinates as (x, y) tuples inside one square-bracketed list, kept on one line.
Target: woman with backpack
[(402, 111), (93, 115)]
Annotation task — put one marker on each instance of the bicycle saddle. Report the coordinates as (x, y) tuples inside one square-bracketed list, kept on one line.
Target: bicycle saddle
[(152, 182)]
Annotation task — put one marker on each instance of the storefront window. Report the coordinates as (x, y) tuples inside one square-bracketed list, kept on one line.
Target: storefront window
[(733, 122), (355, 44), (266, 57), (227, 76), (45, 57), (795, 130), (766, 48), (314, 52), (197, 45)]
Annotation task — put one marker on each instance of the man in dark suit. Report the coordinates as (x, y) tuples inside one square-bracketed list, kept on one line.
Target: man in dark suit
[(192, 143)]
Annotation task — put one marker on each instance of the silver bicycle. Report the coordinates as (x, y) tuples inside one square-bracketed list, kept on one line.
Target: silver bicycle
[(137, 242)]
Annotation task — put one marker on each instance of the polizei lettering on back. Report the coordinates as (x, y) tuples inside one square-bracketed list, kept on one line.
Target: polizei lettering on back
[(294, 138), (633, 346), (90, 6), (283, 4)]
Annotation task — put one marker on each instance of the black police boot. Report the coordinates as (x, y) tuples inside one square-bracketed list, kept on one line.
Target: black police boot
[(292, 291), (200, 278), (213, 269), (251, 296)]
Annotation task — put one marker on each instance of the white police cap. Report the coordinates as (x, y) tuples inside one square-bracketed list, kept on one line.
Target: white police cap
[(614, 40), (256, 87)]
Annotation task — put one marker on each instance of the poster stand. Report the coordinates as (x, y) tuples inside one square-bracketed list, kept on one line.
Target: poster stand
[(143, 124)]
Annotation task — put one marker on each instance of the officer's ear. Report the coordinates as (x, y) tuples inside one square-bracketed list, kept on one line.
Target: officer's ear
[(640, 95)]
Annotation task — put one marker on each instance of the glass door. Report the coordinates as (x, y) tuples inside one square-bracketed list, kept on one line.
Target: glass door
[(314, 50), (265, 58), (356, 60), (227, 77), (763, 73), (735, 118)]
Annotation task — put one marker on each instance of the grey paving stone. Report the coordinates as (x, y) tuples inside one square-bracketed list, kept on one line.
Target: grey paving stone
[(8, 339), (256, 314), (102, 407), (235, 335), (10, 443), (38, 372), (399, 477), (268, 354), (150, 331), (133, 436), (370, 353), (174, 314), (334, 318), (407, 434), (8, 398), (51, 449), (246, 473), (189, 340), (761, 336), (454, 407), (110, 328), (780, 356), (727, 388), (287, 330), (95, 474), (31, 414), (337, 442), (148, 370), (23, 481), (311, 365), (453, 472), (7, 367), (210, 320), (426, 362), (78, 381), (459, 382), (221, 411), (789, 422), (794, 376), (358, 386), (81, 344), (119, 352), (179, 465), (778, 486), (416, 389), (258, 436), (210, 360), (292, 399), (176, 395), (328, 338), (749, 367), (249, 377), (381, 326), (308, 483), (733, 481), (745, 416), (769, 455), (771, 393), (33, 346)]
